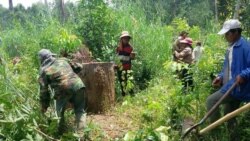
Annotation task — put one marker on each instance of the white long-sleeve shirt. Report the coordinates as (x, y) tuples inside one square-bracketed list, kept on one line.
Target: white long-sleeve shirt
[(197, 52)]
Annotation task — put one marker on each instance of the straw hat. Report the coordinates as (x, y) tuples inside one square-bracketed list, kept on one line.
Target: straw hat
[(125, 34)]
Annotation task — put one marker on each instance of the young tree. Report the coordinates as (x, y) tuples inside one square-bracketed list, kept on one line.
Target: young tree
[(216, 10), (10, 5), (62, 11), (237, 8), (97, 25), (46, 3)]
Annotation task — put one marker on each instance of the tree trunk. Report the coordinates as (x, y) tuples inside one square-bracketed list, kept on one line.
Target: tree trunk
[(216, 10), (10, 5), (175, 7), (99, 79), (237, 9), (62, 11), (46, 3)]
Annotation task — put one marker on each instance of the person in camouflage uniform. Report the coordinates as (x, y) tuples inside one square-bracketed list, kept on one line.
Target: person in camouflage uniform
[(68, 87)]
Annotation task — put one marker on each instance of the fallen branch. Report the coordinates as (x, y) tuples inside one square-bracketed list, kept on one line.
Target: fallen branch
[(45, 135)]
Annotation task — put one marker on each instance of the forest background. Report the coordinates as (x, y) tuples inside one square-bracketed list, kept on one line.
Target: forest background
[(97, 24)]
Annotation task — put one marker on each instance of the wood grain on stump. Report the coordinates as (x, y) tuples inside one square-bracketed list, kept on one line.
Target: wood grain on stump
[(99, 79)]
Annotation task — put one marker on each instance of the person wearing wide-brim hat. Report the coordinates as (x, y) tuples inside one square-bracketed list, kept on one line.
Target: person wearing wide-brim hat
[(125, 34), (125, 54)]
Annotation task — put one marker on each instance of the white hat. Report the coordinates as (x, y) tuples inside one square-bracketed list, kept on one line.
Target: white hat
[(125, 34), (230, 24)]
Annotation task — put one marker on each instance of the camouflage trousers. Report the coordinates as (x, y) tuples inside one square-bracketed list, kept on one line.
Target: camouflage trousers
[(77, 99)]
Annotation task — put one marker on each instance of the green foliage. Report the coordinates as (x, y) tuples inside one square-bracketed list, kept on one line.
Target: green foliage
[(191, 11), (244, 12), (243, 130), (225, 9), (14, 42), (153, 25), (97, 26), (167, 11), (19, 109), (59, 41), (180, 25)]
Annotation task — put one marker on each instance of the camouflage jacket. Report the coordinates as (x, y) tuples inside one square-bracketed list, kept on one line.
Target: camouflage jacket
[(59, 75)]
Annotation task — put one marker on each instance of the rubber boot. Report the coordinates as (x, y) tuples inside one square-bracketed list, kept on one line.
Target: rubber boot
[(81, 121)]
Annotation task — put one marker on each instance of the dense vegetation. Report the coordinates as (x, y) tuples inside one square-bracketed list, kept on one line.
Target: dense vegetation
[(97, 24)]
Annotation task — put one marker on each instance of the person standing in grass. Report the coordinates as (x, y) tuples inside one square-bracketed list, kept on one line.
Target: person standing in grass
[(184, 56), (176, 44), (68, 87), (197, 52), (125, 55), (236, 68)]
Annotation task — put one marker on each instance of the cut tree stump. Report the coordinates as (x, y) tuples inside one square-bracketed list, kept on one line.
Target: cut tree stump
[(99, 79)]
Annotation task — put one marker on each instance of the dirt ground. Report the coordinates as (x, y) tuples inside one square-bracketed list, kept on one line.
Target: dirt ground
[(187, 123), (113, 126)]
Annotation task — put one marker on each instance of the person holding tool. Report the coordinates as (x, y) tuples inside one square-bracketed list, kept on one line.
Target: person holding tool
[(236, 69)]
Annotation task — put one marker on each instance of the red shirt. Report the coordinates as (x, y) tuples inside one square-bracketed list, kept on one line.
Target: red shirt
[(124, 54)]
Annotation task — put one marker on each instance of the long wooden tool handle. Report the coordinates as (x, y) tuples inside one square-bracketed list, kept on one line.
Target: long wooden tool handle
[(210, 111), (219, 102), (225, 118)]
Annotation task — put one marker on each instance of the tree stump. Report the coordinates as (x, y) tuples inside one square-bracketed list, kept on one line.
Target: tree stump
[(99, 79)]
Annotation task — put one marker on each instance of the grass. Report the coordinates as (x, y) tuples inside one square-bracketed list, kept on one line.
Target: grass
[(159, 105)]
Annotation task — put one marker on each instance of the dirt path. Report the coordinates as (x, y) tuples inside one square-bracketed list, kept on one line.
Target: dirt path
[(113, 126)]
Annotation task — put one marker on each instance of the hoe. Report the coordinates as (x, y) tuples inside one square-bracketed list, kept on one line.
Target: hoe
[(220, 121)]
